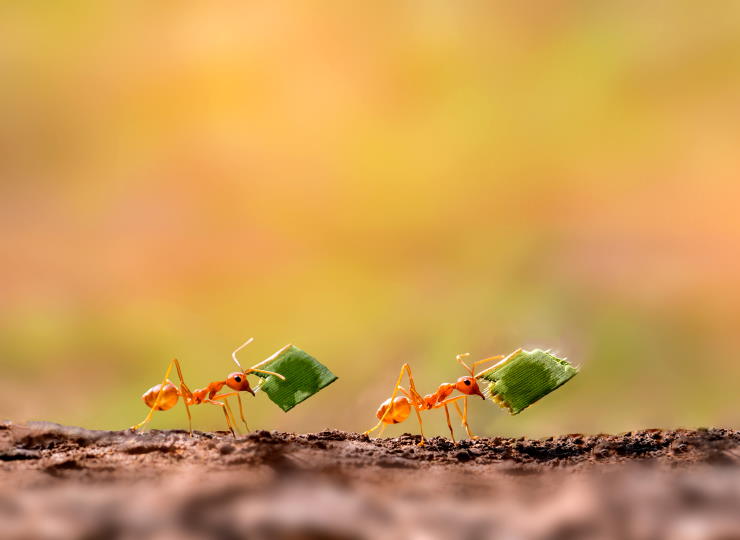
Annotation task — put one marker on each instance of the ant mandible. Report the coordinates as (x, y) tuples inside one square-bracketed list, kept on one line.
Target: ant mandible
[(164, 396), (396, 409)]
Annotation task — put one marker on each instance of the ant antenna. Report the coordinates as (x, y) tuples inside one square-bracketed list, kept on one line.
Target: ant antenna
[(475, 364), (253, 369), (239, 348), (460, 357)]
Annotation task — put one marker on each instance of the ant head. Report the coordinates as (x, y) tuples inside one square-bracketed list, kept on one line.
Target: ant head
[(469, 386), (238, 381)]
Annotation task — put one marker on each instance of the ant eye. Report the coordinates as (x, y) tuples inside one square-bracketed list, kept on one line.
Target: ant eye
[(238, 379), (467, 382)]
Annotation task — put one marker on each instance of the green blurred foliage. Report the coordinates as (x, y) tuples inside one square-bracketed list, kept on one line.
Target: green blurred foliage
[(378, 184)]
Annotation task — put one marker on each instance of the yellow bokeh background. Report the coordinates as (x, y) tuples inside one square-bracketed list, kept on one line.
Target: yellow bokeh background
[(377, 183)]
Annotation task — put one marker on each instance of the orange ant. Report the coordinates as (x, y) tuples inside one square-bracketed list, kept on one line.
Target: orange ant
[(397, 409), (164, 396)]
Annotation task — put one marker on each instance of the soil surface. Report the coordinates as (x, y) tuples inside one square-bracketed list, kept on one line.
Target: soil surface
[(66, 482)]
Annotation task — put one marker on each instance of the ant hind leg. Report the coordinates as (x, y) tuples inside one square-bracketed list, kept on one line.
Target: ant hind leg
[(149, 415), (417, 402), (413, 396), (421, 426), (186, 395), (393, 396)]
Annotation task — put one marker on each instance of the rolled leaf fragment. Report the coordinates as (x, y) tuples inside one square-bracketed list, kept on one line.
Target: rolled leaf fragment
[(304, 376), (525, 377)]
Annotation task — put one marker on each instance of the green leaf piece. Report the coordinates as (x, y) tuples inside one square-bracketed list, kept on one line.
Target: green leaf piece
[(304, 376), (526, 377)]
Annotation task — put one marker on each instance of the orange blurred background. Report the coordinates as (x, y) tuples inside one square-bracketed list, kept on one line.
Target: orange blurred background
[(377, 184)]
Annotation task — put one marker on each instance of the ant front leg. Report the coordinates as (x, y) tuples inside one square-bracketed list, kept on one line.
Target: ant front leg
[(241, 411), (464, 417), (226, 414), (463, 414), (241, 406), (449, 425)]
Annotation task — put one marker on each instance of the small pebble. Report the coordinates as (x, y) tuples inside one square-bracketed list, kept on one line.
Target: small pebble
[(463, 455)]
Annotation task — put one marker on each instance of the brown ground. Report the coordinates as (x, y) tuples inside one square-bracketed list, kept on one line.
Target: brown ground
[(64, 482)]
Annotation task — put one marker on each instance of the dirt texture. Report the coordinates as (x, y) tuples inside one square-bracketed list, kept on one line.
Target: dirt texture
[(66, 482)]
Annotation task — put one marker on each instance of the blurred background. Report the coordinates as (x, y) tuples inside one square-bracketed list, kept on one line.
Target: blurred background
[(396, 182)]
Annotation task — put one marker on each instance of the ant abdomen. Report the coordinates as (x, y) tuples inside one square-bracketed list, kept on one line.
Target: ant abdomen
[(399, 411), (167, 399)]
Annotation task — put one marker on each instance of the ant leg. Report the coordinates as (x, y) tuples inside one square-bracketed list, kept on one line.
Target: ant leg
[(464, 417), (241, 411), (463, 414), (460, 414), (252, 370), (421, 426), (447, 401), (228, 406), (449, 425), (226, 414), (186, 395), (156, 401), (393, 396), (241, 406), (416, 399), (231, 413)]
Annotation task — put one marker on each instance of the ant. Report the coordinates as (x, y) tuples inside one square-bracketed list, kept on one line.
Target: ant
[(397, 409), (164, 396)]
